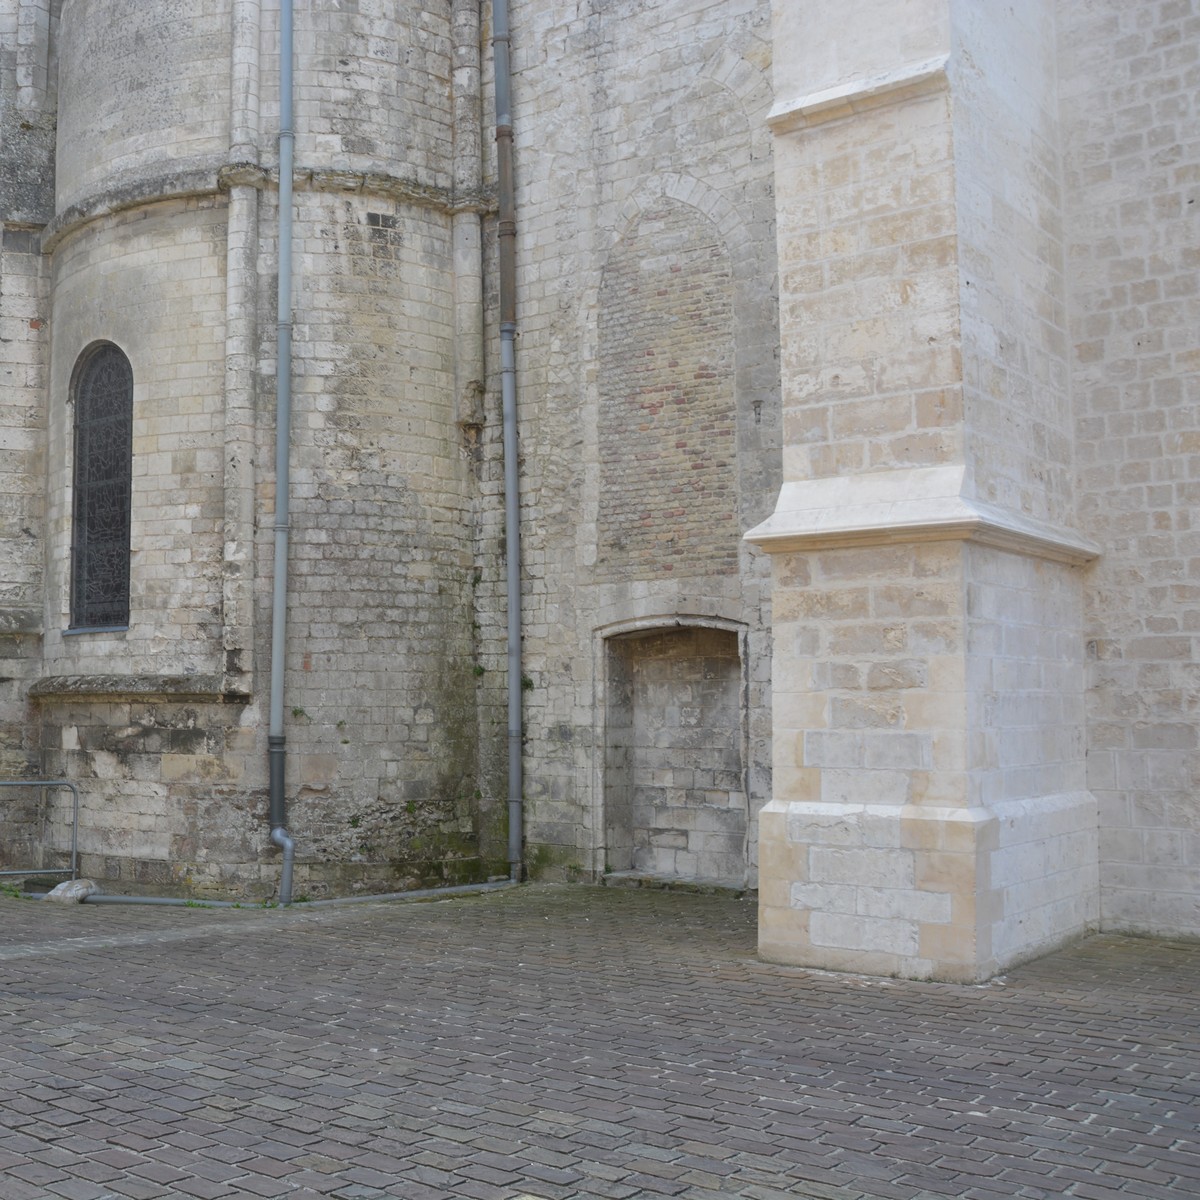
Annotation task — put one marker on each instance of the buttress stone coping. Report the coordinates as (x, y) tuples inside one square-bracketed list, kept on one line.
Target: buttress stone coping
[(858, 95), (918, 504)]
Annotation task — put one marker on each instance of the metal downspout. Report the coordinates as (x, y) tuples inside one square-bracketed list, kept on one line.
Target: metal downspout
[(508, 390), (276, 741)]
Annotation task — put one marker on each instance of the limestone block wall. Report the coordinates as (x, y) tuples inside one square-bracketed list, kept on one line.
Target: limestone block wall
[(135, 716), (381, 713), (871, 709), (872, 859), (1129, 84), (647, 371), (930, 815), (1009, 199), (925, 891), (165, 776), (381, 681), (885, 34), (869, 281), (674, 777), (27, 109), (28, 101), (374, 89), (1025, 730), (21, 812), (23, 324), (1025, 677), (23, 374), (881, 889), (163, 243), (149, 281), (144, 93), (1044, 873)]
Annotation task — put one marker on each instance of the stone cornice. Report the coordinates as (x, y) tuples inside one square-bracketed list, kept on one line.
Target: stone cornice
[(213, 181), (859, 95), (181, 185), (917, 504), (367, 183)]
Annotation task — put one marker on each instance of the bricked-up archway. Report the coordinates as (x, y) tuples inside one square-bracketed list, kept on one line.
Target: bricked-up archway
[(674, 793), (667, 439)]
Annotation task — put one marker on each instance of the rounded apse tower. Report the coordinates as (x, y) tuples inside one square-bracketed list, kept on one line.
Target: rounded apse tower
[(163, 256)]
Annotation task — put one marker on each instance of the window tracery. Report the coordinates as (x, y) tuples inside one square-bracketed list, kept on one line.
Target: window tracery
[(103, 469)]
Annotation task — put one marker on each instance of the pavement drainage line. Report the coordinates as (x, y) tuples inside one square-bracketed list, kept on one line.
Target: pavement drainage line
[(414, 896), (68, 945), (262, 918)]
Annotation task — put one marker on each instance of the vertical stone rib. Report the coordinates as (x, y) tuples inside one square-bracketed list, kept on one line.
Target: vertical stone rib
[(241, 294), (34, 86), (468, 254), (243, 92)]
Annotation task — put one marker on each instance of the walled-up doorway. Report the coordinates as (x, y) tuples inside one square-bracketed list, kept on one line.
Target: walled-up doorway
[(674, 788)]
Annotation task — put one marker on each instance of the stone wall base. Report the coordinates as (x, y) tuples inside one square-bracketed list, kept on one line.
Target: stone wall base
[(954, 894)]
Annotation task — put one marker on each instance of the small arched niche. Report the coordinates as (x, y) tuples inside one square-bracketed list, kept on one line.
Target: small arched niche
[(674, 760)]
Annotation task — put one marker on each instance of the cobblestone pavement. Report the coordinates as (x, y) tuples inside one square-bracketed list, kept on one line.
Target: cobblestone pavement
[(571, 1043)]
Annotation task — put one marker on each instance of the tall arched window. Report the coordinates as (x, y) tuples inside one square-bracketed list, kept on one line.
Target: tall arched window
[(103, 393)]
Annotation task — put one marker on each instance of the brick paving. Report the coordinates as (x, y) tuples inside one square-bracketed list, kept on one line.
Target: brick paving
[(570, 1043)]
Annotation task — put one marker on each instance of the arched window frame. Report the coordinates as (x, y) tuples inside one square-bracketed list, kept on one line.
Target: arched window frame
[(102, 477)]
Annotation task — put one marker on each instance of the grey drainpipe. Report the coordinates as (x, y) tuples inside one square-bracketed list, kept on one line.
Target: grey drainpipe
[(276, 741), (508, 392)]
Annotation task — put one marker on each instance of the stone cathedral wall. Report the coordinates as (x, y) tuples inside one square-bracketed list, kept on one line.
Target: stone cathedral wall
[(144, 93), (1129, 81), (648, 381), (161, 241), (940, 258), (381, 683), (28, 79), (930, 815)]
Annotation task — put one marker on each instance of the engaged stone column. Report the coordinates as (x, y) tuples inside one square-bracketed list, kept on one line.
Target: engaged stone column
[(930, 816)]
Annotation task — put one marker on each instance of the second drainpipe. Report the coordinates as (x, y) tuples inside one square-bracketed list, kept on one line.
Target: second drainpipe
[(276, 741), (508, 391)]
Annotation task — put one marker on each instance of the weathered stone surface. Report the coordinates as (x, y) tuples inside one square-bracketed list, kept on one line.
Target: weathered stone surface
[(117, 687)]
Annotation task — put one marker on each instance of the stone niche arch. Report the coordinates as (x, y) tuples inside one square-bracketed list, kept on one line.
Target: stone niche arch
[(674, 752)]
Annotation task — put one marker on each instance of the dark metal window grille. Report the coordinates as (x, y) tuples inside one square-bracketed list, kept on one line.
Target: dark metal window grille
[(103, 470)]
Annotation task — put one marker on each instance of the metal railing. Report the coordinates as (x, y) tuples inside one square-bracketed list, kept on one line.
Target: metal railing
[(73, 870)]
